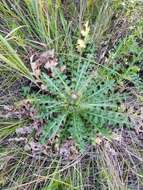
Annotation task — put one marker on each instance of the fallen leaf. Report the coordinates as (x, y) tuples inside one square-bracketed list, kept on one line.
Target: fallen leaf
[(46, 59), (24, 130), (51, 63)]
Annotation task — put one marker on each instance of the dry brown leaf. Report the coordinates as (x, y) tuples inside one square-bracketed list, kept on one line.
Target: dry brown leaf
[(24, 130), (46, 59), (51, 63), (35, 67)]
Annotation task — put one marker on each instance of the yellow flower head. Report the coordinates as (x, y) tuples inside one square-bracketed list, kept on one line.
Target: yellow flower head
[(86, 30), (81, 44)]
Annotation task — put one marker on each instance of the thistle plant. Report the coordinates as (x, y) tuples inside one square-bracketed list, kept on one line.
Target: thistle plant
[(80, 102), (80, 105)]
